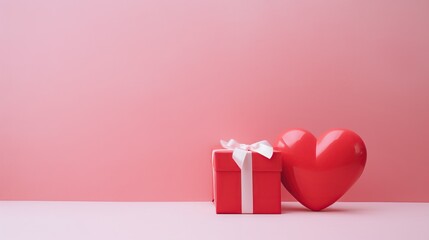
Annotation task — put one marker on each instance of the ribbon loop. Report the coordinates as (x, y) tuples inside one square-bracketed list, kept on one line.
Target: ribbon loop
[(263, 147)]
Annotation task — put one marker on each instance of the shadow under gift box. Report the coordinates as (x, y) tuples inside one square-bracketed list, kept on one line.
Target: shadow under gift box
[(227, 182)]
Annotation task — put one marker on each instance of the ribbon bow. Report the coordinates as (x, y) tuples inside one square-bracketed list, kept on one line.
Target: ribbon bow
[(240, 150)]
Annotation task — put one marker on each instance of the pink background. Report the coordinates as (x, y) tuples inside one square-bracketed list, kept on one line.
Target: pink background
[(123, 100)]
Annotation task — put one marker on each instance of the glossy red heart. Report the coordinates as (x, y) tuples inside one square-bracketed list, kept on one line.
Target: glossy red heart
[(317, 172)]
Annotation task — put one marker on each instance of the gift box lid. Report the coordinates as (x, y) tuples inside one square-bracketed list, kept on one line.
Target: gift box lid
[(223, 162)]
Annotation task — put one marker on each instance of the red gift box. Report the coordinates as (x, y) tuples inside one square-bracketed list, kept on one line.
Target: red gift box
[(227, 182)]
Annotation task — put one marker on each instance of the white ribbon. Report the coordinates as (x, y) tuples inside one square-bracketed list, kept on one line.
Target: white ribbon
[(242, 155)]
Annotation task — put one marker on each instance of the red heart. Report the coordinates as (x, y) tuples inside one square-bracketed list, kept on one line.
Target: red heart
[(317, 172)]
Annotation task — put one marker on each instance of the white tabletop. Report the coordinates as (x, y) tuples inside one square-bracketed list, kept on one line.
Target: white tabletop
[(197, 220)]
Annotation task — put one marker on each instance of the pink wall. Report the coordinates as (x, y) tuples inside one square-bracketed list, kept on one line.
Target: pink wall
[(123, 100)]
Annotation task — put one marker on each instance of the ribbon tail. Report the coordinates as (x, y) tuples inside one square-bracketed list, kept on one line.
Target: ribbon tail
[(239, 156)]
